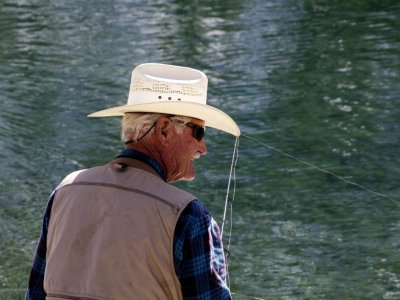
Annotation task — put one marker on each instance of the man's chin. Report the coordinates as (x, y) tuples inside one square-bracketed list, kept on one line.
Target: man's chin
[(186, 177), (190, 175), (190, 178)]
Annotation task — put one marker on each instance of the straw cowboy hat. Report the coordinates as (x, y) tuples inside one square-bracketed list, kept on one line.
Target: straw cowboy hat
[(174, 90)]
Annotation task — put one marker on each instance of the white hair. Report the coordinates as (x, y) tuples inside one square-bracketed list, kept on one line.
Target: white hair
[(135, 125)]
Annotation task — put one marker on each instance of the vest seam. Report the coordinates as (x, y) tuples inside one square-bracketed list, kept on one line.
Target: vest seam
[(171, 246), (162, 220), (175, 208)]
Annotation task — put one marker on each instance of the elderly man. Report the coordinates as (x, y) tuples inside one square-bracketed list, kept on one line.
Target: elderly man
[(122, 231)]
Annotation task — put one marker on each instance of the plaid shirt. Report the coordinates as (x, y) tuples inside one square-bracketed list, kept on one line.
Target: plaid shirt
[(198, 252)]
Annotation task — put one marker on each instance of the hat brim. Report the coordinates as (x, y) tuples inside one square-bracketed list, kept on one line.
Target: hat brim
[(212, 116)]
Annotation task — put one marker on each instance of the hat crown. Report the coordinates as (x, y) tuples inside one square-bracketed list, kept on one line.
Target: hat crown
[(153, 83)]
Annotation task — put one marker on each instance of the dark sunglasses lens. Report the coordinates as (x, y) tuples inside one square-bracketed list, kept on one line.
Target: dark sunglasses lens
[(198, 132)]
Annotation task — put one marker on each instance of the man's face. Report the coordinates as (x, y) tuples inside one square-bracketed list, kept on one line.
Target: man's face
[(182, 153)]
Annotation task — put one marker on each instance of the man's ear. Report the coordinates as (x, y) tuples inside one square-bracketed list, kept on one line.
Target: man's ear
[(164, 130)]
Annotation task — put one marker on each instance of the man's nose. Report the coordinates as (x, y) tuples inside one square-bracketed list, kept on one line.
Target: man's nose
[(203, 147)]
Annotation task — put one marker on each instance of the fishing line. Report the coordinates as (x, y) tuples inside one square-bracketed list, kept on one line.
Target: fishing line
[(229, 202), (232, 171), (232, 177), (323, 170)]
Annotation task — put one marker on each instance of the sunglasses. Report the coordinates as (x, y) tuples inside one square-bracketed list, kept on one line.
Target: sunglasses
[(197, 131)]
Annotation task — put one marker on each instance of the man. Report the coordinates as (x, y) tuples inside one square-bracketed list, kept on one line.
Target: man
[(121, 231)]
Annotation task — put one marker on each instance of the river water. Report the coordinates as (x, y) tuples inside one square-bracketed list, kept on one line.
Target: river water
[(316, 79)]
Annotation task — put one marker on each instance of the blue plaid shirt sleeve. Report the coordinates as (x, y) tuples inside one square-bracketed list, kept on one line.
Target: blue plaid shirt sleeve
[(199, 255), (35, 289)]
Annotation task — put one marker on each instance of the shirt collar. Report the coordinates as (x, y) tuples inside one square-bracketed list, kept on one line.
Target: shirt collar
[(143, 158)]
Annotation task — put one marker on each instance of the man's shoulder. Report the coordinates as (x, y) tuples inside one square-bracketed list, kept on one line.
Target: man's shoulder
[(148, 182), (70, 178)]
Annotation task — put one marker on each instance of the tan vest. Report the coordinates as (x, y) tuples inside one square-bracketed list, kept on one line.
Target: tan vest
[(111, 235)]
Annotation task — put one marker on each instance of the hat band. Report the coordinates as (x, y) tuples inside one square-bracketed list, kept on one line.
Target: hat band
[(152, 97)]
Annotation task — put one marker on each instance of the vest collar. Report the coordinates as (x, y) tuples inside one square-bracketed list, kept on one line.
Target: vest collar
[(139, 160)]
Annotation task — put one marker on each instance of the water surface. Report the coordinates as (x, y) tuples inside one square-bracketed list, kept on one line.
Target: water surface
[(317, 79)]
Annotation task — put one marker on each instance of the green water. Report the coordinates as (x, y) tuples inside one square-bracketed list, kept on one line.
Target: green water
[(319, 80)]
